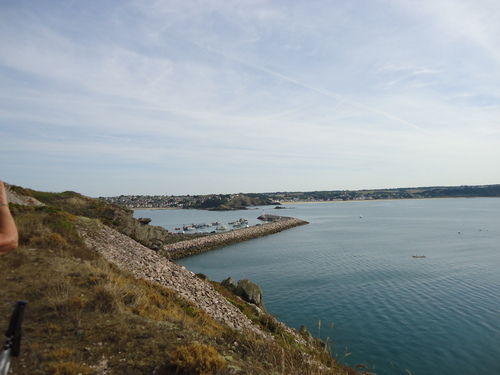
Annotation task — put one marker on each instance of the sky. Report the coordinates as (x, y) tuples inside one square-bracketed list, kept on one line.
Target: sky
[(170, 97)]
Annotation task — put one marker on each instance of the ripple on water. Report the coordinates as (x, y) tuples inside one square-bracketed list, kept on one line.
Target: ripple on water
[(435, 315)]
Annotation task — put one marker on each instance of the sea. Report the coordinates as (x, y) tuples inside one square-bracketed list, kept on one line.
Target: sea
[(399, 286)]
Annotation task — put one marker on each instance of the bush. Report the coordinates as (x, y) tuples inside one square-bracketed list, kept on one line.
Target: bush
[(197, 359), (51, 240)]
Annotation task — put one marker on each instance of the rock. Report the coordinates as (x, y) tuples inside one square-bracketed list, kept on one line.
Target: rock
[(250, 292), (144, 220), (202, 276), (18, 195), (229, 283)]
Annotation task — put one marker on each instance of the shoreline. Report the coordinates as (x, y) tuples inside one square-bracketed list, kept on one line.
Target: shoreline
[(154, 208), (284, 204), (199, 245), (380, 200)]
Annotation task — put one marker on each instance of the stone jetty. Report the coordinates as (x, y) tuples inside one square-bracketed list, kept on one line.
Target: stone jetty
[(199, 245)]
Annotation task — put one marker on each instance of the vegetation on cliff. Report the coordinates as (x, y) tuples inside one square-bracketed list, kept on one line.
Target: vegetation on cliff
[(87, 316), (238, 202), (215, 202), (115, 216)]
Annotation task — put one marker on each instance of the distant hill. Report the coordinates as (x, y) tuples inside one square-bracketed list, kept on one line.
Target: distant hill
[(239, 202), (396, 193)]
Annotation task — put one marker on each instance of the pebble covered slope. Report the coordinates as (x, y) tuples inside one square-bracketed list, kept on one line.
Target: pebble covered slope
[(144, 263)]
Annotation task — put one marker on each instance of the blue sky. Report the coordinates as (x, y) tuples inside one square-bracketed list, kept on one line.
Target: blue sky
[(198, 97)]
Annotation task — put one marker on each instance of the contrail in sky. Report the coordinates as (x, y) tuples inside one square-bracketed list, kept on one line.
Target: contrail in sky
[(339, 97)]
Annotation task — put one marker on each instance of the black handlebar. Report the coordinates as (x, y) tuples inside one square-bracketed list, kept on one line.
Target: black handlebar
[(14, 331)]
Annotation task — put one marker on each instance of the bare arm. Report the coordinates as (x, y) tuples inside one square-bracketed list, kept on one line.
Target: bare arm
[(8, 230)]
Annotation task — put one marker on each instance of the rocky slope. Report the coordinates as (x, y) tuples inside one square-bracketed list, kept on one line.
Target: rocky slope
[(21, 196), (145, 263)]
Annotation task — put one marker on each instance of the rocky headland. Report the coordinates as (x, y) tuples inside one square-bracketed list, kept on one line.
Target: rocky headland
[(100, 302)]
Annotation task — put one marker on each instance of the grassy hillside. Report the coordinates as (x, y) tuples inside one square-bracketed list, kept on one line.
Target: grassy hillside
[(115, 216), (238, 202), (86, 316)]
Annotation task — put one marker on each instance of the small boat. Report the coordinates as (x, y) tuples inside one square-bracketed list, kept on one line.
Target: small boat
[(200, 226), (418, 256), (221, 227)]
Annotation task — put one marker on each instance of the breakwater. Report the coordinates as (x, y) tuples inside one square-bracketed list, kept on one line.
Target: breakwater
[(199, 245)]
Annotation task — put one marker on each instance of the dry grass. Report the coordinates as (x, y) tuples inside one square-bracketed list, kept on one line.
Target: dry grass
[(197, 358), (85, 315)]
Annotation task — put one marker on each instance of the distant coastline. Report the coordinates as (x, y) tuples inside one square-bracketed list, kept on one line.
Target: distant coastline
[(379, 200), (228, 202), (284, 204), (154, 208)]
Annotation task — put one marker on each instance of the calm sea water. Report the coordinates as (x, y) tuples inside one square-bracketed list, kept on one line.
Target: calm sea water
[(352, 269)]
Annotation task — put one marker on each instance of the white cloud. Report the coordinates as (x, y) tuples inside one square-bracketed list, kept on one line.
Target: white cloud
[(251, 94)]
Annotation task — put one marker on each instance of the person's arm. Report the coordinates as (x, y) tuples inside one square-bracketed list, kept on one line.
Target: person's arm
[(8, 231)]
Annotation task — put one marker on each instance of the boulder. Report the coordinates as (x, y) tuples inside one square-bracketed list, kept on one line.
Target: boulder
[(229, 283), (250, 292), (202, 276)]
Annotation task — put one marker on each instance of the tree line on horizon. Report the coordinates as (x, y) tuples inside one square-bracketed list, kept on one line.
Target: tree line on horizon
[(242, 200)]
